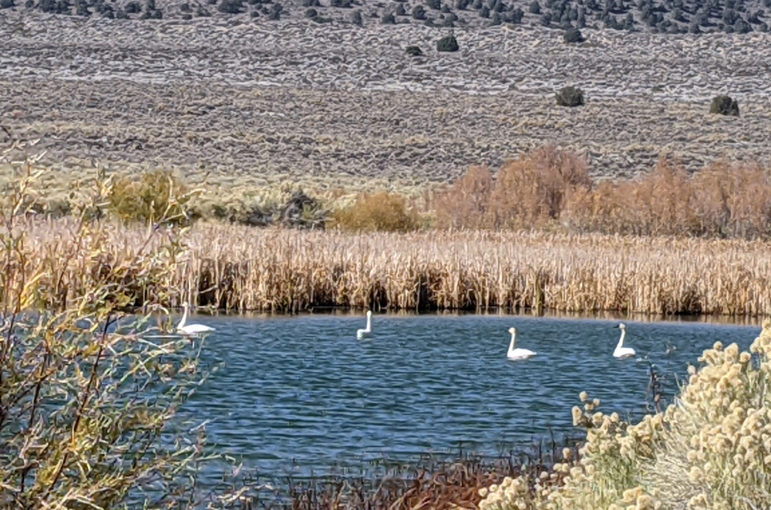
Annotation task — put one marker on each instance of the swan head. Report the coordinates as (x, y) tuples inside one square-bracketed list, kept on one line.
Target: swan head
[(513, 331), (621, 325), (369, 313)]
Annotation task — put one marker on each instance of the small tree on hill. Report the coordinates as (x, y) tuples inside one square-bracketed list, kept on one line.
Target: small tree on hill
[(573, 35), (570, 96), (724, 105), (449, 43)]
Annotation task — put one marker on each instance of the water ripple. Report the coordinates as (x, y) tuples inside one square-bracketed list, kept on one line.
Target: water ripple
[(304, 391)]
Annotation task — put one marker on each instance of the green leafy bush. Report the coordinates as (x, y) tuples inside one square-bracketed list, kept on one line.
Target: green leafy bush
[(89, 395)]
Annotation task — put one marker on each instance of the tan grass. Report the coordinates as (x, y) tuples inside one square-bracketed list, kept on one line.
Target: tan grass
[(246, 268)]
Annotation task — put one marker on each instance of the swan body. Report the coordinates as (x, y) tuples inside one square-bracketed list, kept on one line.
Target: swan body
[(191, 329), (517, 353), (361, 333), (620, 351)]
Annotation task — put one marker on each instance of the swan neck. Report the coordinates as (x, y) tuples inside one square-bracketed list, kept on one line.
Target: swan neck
[(621, 339), (369, 322), (184, 319), (513, 342)]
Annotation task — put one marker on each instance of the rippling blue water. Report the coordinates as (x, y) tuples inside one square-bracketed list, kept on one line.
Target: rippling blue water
[(304, 391)]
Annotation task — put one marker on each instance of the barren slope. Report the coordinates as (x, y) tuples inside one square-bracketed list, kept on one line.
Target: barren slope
[(338, 105)]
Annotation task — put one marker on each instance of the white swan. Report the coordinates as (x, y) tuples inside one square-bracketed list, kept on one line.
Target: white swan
[(620, 351), (516, 354), (191, 329), (361, 333)]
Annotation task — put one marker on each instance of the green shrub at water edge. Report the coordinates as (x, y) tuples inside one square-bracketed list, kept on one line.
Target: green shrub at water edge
[(88, 394)]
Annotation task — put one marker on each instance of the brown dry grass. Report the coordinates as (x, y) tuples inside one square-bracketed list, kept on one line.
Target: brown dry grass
[(244, 268)]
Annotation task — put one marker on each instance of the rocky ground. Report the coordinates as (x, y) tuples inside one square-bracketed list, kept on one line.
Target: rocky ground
[(252, 103)]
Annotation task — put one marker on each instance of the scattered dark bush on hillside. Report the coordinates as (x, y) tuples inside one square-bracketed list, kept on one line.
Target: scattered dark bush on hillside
[(388, 19), (449, 43), (414, 51), (515, 16), (274, 14), (5, 4), (570, 96), (356, 18), (230, 6), (724, 105), (418, 12), (573, 35)]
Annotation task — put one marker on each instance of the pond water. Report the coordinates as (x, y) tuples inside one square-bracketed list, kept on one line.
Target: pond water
[(301, 394)]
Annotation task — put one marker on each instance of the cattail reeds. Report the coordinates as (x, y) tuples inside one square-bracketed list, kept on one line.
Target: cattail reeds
[(244, 268)]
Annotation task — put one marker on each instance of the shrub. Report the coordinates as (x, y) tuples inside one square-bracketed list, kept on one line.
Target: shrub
[(719, 201), (356, 18), (418, 12), (89, 394), (710, 450), (5, 4), (376, 212), (274, 13), (414, 51), (573, 35), (448, 43), (465, 203), (533, 190), (570, 96), (230, 6), (724, 105), (388, 19), (155, 195), (301, 211)]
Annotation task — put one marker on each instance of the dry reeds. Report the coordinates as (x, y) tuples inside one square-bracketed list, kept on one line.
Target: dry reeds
[(245, 268)]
